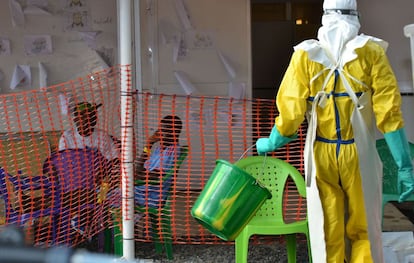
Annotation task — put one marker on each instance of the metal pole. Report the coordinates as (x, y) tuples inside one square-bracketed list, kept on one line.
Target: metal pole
[(125, 58), (409, 32)]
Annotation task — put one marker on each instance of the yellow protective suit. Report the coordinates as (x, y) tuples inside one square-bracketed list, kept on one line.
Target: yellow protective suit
[(336, 157)]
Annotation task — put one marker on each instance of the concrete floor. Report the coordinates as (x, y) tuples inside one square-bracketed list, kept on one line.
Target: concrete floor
[(397, 217)]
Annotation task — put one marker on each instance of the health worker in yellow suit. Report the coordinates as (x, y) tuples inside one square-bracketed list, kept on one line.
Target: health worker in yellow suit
[(344, 85)]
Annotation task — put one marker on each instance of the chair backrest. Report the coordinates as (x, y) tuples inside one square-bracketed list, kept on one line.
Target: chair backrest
[(12, 189), (24, 155), (10, 197), (177, 164), (390, 169), (273, 174), (76, 168), (168, 176)]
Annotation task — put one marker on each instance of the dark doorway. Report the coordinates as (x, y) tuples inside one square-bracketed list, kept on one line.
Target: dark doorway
[(277, 26)]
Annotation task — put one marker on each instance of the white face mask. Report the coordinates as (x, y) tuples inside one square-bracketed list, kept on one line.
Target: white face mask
[(336, 31)]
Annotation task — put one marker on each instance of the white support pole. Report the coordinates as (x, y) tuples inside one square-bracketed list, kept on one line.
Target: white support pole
[(137, 42), (409, 32), (125, 59)]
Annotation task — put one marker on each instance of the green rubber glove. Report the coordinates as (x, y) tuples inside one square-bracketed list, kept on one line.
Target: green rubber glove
[(275, 141), (398, 144)]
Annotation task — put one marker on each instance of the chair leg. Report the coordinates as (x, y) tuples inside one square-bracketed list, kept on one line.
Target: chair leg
[(117, 234), (168, 237), (309, 248), (118, 247), (155, 233), (107, 244), (291, 247), (242, 247), (161, 234)]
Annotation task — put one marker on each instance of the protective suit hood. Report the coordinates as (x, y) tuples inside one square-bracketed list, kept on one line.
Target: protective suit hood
[(340, 4), (340, 24)]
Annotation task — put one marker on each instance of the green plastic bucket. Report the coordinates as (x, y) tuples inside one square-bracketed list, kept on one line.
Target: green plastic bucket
[(229, 200)]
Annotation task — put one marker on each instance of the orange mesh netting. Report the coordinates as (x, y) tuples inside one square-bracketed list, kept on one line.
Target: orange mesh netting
[(67, 196)]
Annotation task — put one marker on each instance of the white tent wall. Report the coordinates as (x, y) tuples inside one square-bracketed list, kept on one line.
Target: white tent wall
[(228, 21), (213, 27), (386, 20)]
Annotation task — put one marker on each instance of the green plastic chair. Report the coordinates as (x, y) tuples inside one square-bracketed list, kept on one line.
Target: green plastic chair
[(161, 236), (273, 174), (390, 174)]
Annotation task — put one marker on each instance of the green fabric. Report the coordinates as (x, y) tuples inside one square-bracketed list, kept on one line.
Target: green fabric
[(400, 150), (274, 142)]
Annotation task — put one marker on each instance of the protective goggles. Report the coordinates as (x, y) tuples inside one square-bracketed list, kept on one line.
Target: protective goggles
[(341, 12)]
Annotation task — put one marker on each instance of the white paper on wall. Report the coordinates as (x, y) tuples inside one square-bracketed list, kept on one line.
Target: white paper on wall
[(21, 78), (90, 38), (197, 39), (42, 76), (63, 104), (5, 46), (74, 4), (16, 12), (237, 90), (38, 45), (37, 7), (184, 82), (179, 50), (231, 72), (95, 63), (183, 14), (77, 20)]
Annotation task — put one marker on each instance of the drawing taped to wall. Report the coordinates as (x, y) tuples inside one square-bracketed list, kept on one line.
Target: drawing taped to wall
[(37, 7), (77, 19), (67, 4), (197, 39), (77, 14), (38, 45), (5, 46), (63, 50)]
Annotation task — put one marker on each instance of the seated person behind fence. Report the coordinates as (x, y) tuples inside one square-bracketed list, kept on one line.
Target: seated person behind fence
[(156, 160), (86, 135)]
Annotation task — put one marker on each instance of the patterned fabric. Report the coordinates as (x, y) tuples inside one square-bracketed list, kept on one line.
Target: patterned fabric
[(162, 160), (77, 168), (98, 140), (153, 195)]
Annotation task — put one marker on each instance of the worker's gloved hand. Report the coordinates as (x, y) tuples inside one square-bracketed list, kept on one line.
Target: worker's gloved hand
[(400, 150), (275, 141)]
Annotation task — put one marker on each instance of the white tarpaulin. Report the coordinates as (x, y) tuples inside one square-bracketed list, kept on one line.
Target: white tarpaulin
[(398, 247)]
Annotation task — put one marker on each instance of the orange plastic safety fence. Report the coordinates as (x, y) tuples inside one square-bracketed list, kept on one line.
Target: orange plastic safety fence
[(212, 128), (47, 185), (61, 179)]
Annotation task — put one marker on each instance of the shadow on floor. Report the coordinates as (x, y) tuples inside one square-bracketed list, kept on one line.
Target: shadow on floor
[(407, 208)]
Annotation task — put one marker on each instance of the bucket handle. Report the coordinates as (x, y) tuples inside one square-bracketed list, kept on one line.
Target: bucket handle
[(263, 166), (248, 149)]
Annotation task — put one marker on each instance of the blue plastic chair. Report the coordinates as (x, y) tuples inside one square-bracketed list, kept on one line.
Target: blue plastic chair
[(78, 174), (11, 191)]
